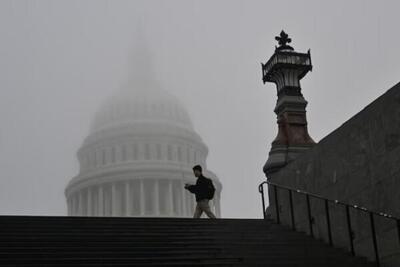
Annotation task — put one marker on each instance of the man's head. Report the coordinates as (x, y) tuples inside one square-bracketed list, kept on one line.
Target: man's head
[(197, 170)]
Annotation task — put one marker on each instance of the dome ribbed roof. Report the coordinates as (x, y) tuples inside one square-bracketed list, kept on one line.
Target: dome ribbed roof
[(141, 99), (148, 104)]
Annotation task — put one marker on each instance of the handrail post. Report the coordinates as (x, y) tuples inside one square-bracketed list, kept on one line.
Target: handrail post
[(398, 229), (328, 222), (309, 215), (371, 217), (276, 204), (349, 230), (269, 195), (261, 189), (291, 209)]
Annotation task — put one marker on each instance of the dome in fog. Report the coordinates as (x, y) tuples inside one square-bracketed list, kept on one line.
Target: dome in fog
[(138, 155), (133, 105)]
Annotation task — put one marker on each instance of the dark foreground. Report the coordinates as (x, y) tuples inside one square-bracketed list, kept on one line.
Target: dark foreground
[(99, 241)]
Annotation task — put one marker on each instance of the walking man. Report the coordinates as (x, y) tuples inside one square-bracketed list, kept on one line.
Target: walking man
[(204, 191)]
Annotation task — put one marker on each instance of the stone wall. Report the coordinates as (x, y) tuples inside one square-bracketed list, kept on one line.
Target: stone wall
[(359, 164)]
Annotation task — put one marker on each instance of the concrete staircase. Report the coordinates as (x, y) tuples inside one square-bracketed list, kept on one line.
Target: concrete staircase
[(100, 241)]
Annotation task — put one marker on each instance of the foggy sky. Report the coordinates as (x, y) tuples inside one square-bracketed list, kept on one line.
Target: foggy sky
[(59, 60)]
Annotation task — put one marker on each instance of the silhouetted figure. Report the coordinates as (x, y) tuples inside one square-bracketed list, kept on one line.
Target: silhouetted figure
[(204, 191)]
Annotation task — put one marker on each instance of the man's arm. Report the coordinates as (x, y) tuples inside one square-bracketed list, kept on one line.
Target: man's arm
[(191, 188)]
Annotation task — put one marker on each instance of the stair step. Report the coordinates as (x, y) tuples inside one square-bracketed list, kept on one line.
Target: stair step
[(117, 241)]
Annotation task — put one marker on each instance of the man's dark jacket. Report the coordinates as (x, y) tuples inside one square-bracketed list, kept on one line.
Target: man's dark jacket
[(200, 189)]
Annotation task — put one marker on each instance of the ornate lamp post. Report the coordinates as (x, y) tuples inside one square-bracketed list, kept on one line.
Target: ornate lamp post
[(286, 68)]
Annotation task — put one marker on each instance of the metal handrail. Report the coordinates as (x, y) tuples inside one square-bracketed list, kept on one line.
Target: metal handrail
[(326, 202)]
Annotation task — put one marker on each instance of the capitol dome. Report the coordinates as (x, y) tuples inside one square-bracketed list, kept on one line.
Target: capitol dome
[(137, 157), (131, 105)]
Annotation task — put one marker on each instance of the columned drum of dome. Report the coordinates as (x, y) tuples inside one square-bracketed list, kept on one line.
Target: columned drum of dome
[(137, 158)]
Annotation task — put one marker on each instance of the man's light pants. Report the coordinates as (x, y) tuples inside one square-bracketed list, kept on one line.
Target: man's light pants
[(202, 206)]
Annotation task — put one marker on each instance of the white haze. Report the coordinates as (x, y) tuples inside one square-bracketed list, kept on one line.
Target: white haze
[(59, 60)]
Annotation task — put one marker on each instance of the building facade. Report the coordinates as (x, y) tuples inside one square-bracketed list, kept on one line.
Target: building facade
[(138, 156)]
